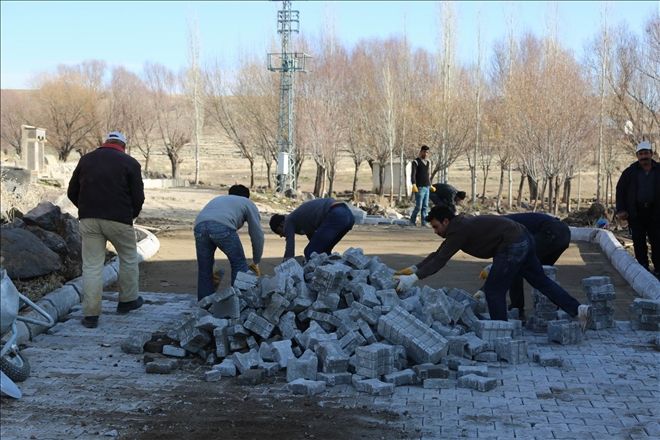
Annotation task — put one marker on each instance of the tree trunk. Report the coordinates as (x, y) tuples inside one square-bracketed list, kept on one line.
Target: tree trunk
[(319, 180), (268, 179), (510, 193), (146, 163), (381, 179), (567, 193), (483, 193), (500, 188), (331, 181), (174, 162), (251, 172), (533, 187), (520, 189), (355, 179)]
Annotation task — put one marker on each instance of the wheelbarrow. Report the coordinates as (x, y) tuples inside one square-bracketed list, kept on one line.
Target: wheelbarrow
[(14, 366)]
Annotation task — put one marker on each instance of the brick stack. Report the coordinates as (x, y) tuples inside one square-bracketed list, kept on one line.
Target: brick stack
[(544, 309), (600, 294), (645, 315)]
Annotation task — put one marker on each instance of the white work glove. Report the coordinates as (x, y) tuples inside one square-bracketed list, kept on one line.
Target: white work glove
[(479, 295), (405, 282)]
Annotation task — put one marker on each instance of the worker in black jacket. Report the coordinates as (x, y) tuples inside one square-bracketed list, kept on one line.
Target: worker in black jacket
[(421, 185), (107, 188), (638, 202)]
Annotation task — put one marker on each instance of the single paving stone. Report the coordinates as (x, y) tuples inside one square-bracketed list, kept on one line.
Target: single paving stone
[(399, 378), (212, 375), (171, 350), (306, 387), (162, 366), (334, 379), (135, 343), (374, 387), (254, 376), (435, 384), (547, 360), (476, 382), (479, 370), (227, 368)]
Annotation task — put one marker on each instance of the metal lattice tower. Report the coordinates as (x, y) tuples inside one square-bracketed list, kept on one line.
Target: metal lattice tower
[(287, 63)]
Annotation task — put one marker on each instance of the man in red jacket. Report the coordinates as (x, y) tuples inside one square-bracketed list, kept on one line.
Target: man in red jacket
[(107, 188)]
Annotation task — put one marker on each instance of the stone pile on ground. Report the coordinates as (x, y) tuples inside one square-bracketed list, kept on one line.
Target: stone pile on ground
[(338, 320)]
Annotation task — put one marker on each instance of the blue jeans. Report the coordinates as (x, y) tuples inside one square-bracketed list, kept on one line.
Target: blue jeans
[(550, 242), (421, 202), (337, 222), (210, 235), (520, 258)]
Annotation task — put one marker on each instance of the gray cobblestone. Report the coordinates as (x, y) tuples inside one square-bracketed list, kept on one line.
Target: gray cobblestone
[(607, 387)]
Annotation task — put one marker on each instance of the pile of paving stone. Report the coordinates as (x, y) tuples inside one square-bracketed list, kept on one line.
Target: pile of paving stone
[(338, 320)]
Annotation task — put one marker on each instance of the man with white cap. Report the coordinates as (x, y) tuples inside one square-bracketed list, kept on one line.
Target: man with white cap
[(638, 202), (107, 189)]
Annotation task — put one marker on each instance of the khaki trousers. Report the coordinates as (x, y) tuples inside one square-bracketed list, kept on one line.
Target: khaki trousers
[(95, 234)]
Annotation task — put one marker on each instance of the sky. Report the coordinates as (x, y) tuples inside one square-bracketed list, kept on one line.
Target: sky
[(36, 37)]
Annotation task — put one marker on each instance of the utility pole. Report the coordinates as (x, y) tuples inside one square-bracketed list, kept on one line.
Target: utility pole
[(287, 63)]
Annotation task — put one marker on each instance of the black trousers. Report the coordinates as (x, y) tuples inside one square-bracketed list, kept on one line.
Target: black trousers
[(641, 227), (551, 241)]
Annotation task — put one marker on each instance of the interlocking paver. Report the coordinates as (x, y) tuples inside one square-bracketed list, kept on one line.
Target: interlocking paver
[(607, 387)]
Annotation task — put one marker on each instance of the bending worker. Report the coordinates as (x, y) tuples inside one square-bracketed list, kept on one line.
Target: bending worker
[(216, 226), (323, 221), (509, 244), (551, 238), (443, 194)]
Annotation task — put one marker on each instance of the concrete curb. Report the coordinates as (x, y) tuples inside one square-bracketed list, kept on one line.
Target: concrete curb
[(60, 301), (641, 280)]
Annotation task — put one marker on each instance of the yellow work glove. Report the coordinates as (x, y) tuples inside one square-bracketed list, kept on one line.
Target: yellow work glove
[(484, 272), (479, 295), (414, 188), (405, 282), (406, 271), (254, 267), (432, 188)]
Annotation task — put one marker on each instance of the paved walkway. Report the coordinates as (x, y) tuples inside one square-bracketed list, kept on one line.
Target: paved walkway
[(608, 387)]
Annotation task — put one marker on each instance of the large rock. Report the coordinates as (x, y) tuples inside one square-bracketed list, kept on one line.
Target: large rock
[(69, 230), (25, 256), (45, 215), (54, 242)]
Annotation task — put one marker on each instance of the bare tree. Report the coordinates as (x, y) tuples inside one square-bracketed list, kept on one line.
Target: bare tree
[(194, 89), (131, 112), (16, 110), (69, 101), (225, 110), (174, 119)]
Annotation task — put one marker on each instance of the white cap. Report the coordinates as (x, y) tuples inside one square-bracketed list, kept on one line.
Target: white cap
[(644, 145), (116, 136)]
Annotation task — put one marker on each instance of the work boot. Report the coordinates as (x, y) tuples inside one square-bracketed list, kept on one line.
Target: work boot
[(584, 316), (125, 307), (90, 321)]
